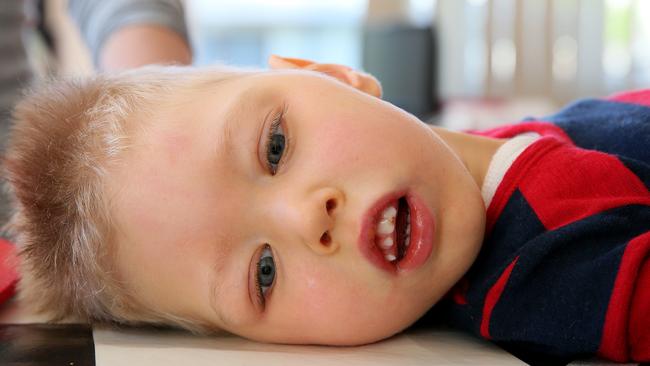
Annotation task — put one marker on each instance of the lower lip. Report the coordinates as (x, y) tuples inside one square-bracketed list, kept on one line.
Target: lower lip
[(421, 241)]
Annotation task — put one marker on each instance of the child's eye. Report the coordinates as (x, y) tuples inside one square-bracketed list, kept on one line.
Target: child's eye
[(265, 274), (275, 145)]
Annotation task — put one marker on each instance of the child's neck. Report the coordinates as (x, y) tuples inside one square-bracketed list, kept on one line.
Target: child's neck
[(474, 151)]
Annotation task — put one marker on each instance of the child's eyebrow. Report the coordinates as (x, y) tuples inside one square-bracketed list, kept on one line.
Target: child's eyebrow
[(218, 291), (225, 145), (224, 142)]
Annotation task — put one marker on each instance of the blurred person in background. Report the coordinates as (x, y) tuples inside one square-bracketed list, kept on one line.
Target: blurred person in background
[(120, 34)]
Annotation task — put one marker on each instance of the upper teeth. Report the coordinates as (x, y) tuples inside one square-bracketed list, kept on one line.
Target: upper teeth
[(387, 223), (387, 243), (385, 232), (389, 212), (386, 226)]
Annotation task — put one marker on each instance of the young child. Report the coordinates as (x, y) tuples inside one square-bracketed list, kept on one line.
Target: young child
[(290, 206)]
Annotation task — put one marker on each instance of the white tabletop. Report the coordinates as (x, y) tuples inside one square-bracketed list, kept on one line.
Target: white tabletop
[(421, 347), (144, 347)]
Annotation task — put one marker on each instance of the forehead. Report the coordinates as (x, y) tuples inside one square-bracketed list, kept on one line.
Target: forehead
[(165, 188), (171, 143), (202, 105)]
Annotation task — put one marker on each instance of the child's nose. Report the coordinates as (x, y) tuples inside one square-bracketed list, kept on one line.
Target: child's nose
[(316, 218)]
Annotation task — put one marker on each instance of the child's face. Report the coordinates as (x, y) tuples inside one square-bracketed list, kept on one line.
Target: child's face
[(195, 202)]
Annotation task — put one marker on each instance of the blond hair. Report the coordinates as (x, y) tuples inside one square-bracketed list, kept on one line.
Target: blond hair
[(65, 137)]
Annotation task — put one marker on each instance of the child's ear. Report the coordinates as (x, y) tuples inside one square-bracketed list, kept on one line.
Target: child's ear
[(357, 79)]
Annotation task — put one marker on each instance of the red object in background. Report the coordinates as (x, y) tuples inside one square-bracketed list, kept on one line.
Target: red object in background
[(8, 270)]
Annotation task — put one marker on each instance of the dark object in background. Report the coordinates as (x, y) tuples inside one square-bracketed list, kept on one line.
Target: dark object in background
[(46, 344), (403, 58)]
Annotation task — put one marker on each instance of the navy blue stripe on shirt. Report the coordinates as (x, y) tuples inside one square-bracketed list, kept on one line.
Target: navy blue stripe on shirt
[(639, 168), (607, 126)]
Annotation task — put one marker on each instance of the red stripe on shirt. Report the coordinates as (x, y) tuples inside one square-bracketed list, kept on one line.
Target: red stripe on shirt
[(8, 270), (640, 97), (639, 325), (626, 332), (542, 128), (570, 184), (492, 298)]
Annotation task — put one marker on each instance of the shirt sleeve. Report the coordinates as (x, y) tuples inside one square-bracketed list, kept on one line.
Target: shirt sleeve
[(639, 323), (637, 97), (97, 19), (626, 332)]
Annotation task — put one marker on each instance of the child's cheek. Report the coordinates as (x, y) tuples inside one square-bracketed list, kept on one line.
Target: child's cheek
[(341, 144), (327, 293)]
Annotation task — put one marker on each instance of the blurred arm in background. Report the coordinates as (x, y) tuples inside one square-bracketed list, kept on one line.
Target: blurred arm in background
[(124, 34)]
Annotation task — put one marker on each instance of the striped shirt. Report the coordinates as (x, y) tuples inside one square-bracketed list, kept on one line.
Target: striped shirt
[(564, 270)]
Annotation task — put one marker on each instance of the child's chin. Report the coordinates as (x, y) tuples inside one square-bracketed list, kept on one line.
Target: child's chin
[(358, 339), (324, 340)]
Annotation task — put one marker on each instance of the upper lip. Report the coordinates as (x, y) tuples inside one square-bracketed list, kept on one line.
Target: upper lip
[(366, 240)]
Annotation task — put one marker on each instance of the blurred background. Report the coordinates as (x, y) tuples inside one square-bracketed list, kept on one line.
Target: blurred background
[(458, 63)]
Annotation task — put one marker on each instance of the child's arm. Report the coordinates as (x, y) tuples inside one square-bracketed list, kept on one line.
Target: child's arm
[(126, 33), (144, 44)]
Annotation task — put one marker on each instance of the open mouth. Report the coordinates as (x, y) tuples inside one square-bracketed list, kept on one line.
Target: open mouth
[(397, 233), (393, 230)]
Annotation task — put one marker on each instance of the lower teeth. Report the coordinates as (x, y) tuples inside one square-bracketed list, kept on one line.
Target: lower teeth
[(407, 231)]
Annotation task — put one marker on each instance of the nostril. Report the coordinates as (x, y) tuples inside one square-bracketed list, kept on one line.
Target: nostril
[(330, 205), (325, 239)]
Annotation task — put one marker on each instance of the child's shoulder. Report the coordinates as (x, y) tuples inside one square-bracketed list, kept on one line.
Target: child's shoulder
[(618, 125), (639, 97), (568, 225)]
